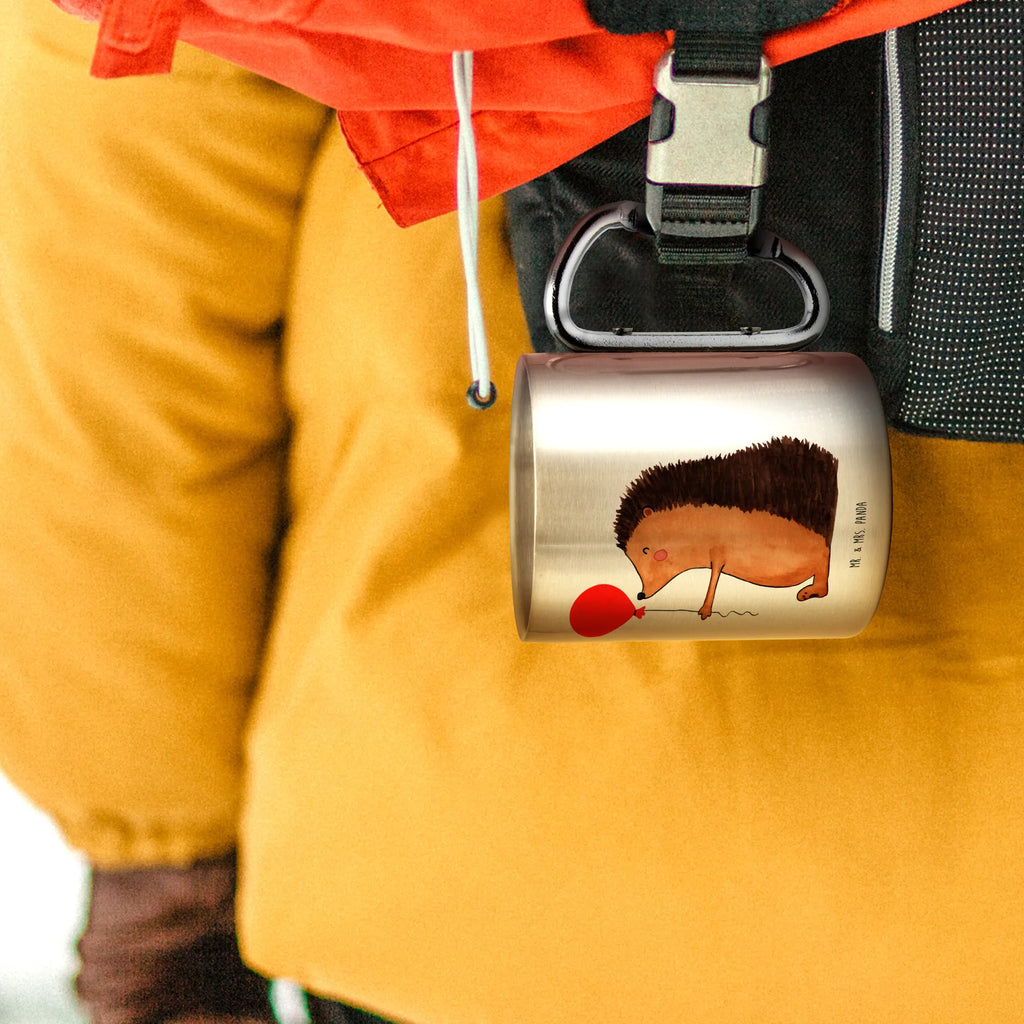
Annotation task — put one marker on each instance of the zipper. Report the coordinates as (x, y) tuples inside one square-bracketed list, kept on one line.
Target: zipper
[(893, 183)]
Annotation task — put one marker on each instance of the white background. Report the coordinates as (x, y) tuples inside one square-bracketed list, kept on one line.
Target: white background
[(42, 893)]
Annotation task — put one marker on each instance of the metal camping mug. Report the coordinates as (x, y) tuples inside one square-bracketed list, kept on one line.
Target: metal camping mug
[(697, 496), (735, 490)]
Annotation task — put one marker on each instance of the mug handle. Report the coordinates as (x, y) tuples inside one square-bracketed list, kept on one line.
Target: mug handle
[(628, 216)]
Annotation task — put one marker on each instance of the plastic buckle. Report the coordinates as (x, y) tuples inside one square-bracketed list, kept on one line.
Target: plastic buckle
[(710, 132)]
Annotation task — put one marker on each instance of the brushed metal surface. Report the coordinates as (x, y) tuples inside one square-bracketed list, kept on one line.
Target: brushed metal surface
[(711, 143), (585, 426)]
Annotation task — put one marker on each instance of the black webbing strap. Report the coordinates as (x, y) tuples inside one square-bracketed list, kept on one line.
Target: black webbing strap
[(716, 54), (703, 222), (630, 17), (682, 208)]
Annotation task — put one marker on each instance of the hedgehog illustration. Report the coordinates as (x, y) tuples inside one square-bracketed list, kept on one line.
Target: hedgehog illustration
[(764, 514)]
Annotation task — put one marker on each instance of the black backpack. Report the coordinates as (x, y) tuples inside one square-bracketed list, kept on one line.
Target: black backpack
[(897, 164)]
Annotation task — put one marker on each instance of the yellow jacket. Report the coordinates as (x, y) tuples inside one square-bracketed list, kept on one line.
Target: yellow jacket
[(439, 821)]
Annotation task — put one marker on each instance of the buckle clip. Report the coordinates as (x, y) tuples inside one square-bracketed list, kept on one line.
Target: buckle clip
[(708, 139)]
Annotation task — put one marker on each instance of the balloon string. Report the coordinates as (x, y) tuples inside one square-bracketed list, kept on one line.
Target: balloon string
[(696, 611)]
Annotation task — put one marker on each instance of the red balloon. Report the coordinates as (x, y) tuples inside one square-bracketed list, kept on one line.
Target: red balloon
[(600, 609)]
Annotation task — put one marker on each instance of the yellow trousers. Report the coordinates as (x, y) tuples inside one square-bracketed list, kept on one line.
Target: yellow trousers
[(254, 585)]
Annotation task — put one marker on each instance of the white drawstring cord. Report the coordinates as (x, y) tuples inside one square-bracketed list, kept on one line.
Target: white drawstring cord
[(481, 394)]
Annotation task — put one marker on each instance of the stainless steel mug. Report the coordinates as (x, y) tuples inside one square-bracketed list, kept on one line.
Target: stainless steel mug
[(697, 495)]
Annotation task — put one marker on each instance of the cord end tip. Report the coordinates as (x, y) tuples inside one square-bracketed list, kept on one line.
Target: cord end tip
[(481, 401)]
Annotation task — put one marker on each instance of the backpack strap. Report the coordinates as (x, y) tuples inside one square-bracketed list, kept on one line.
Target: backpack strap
[(705, 156), (706, 147), (757, 17)]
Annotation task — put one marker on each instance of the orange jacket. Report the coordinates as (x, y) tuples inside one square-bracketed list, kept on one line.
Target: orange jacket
[(549, 83)]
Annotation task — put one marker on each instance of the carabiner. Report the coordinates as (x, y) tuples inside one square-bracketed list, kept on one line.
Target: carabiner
[(628, 216)]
